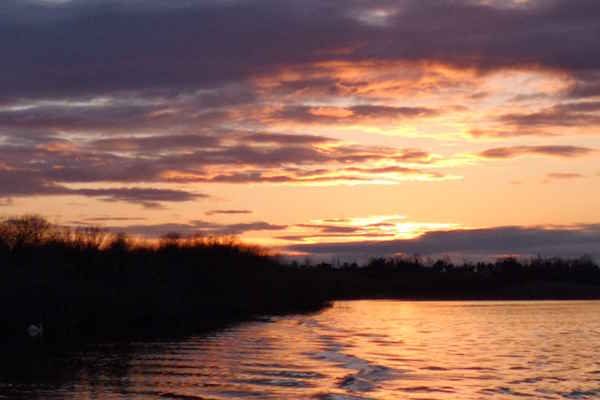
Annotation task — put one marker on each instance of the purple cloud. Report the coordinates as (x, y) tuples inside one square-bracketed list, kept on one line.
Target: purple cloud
[(56, 50), (487, 242), (552, 151), (227, 212)]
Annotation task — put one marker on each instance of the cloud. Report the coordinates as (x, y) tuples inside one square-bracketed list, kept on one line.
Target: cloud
[(507, 132), (227, 212), (238, 229), (141, 112), (551, 151), (330, 228), (57, 50), (487, 242), (197, 227), (354, 114), (278, 138), (22, 183), (112, 218), (558, 119), (119, 93), (560, 115), (50, 166), (336, 236), (376, 227), (147, 197), (563, 175), (331, 177), (586, 85), (154, 143)]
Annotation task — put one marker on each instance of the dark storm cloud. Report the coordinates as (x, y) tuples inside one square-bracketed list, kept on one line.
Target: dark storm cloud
[(78, 47), (552, 151), (553, 241)]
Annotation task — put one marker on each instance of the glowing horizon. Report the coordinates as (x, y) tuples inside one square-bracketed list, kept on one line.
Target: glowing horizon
[(301, 131)]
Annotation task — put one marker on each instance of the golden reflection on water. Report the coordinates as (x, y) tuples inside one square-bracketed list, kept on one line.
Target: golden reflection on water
[(359, 350)]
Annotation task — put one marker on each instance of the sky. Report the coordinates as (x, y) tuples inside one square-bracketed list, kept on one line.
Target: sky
[(317, 128)]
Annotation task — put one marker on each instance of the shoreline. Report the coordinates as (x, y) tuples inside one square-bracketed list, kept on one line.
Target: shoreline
[(90, 285), (203, 327)]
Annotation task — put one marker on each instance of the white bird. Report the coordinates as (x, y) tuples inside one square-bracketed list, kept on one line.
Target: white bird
[(35, 330)]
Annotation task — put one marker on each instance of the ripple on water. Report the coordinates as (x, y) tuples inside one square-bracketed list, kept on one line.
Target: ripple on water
[(506, 391), (287, 374), (527, 381), (428, 389), (582, 394), (276, 382), (352, 351), (339, 396)]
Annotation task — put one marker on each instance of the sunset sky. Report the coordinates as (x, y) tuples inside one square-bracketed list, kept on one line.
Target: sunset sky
[(328, 128)]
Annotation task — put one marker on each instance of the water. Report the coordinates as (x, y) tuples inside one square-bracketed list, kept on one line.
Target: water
[(354, 350)]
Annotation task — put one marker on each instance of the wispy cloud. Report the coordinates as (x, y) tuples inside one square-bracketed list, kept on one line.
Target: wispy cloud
[(563, 175), (228, 212), (197, 227), (368, 113), (489, 242), (551, 151), (560, 115), (237, 157), (23, 183), (375, 227)]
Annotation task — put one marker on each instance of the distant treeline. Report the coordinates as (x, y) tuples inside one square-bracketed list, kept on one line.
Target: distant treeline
[(87, 282)]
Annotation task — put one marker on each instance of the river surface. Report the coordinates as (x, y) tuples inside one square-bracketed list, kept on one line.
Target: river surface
[(353, 350)]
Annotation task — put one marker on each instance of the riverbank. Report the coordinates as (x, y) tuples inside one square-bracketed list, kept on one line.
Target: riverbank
[(87, 285)]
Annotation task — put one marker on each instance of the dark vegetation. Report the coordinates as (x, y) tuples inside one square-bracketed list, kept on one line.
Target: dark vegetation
[(87, 283)]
